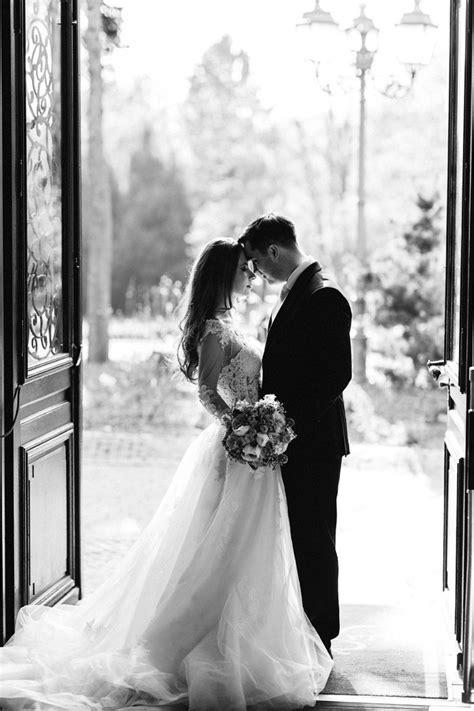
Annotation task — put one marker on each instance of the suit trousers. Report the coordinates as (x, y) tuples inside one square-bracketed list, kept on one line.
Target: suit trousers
[(311, 480)]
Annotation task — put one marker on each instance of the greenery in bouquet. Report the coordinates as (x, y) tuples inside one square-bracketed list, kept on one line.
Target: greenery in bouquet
[(258, 434)]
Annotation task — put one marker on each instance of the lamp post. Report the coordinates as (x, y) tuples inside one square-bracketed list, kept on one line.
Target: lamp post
[(320, 34)]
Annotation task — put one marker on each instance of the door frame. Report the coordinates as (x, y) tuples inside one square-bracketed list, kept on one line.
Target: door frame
[(459, 442), (9, 371)]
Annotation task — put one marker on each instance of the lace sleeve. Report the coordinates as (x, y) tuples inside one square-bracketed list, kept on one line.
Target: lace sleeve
[(211, 362)]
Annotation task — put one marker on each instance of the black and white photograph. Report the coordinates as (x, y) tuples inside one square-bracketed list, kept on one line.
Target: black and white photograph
[(236, 355)]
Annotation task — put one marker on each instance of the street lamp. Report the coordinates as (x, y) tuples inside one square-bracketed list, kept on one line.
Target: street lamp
[(416, 38), (320, 35)]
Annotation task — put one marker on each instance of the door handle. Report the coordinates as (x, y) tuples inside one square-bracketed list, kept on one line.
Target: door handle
[(437, 371)]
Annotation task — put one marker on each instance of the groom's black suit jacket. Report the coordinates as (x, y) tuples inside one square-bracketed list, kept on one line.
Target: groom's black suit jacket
[(307, 359), (307, 365)]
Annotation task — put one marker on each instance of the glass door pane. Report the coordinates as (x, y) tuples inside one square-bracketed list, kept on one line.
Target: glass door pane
[(43, 178)]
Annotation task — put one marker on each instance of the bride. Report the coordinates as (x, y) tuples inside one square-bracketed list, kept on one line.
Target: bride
[(205, 609)]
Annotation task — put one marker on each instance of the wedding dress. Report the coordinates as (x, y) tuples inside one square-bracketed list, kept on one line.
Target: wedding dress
[(205, 609)]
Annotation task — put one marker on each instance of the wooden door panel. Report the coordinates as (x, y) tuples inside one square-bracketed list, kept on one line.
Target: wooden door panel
[(451, 509), (48, 420), (47, 524), (455, 507), (48, 518), (458, 472)]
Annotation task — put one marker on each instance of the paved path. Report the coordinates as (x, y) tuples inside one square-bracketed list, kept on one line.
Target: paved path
[(390, 512), (124, 478)]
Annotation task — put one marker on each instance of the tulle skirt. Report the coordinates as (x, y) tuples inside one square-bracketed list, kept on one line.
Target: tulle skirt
[(204, 610)]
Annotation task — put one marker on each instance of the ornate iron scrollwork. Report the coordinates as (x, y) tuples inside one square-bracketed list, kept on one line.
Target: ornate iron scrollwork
[(44, 200)]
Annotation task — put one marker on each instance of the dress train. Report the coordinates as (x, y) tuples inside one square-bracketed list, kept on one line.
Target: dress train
[(205, 609)]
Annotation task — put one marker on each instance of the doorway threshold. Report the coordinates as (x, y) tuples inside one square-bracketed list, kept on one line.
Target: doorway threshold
[(388, 651), (374, 703)]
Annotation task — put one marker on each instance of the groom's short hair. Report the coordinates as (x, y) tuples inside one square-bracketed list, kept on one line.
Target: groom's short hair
[(269, 229)]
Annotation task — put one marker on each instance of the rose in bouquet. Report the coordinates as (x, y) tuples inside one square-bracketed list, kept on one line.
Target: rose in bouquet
[(258, 434)]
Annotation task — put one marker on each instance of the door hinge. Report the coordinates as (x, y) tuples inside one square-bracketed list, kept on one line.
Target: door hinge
[(20, 178), (69, 7), (22, 338), (16, 395), (77, 355), (470, 449)]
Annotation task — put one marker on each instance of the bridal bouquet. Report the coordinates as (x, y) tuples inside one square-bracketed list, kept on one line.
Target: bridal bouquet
[(258, 434)]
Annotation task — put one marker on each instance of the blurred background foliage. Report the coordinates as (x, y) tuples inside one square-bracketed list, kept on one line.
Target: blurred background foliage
[(179, 176)]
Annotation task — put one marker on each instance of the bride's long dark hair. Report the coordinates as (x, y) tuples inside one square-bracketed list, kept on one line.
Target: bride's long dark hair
[(209, 286)]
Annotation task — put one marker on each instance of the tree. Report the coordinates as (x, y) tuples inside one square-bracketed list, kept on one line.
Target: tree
[(324, 153), (155, 217), (102, 22), (408, 294), (248, 161), (229, 130)]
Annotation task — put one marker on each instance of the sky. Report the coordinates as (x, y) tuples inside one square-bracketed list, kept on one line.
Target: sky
[(164, 40)]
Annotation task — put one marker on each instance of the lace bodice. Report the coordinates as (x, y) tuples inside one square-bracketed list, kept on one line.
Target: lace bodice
[(229, 368)]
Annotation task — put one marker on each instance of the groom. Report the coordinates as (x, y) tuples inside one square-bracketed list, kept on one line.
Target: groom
[(307, 365)]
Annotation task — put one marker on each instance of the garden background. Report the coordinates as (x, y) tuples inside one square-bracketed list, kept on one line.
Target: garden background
[(195, 121)]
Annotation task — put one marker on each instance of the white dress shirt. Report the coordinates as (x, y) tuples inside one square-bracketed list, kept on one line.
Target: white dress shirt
[(289, 284)]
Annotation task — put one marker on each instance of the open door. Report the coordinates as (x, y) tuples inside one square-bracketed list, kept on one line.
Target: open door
[(40, 319), (458, 567)]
